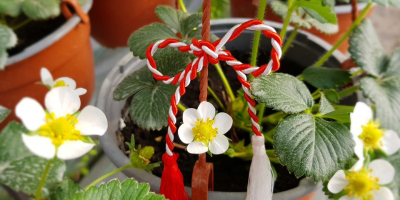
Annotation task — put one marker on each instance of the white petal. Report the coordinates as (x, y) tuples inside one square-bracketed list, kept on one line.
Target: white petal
[(185, 133), (356, 125), (46, 77), (359, 151), (92, 121), (62, 101), (73, 149), (190, 116), (345, 197), (39, 145), (206, 110), (197, 147), (219, 145), (223, 122), (383, 170), (337, 182), (81, 91), (390, 142), (31, 113), (69, 82), (383, 193), (361, 115)]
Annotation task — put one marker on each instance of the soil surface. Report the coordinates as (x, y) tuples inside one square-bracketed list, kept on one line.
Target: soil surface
[(32, 31), (230, 174)]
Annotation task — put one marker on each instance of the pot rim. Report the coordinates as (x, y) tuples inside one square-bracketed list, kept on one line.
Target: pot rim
[(119, 159), (51, 38)]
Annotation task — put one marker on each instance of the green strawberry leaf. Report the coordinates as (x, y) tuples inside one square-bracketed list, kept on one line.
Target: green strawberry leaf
[(128, 190), (151, 99), (4, 112), (20, 169), (382, 85), (332, 96), (366, 50), (11, 7), (8, 39), (302, 19), (66, 190), (319, 10), (326, 78), (313, 147), (190, 23), (41, 9), (341, 115), (325, 107), (147, 35), (171, 17), (282, 92)]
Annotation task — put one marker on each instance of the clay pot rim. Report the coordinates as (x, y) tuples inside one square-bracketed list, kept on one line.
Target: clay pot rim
[(51, 38), (127, 65)]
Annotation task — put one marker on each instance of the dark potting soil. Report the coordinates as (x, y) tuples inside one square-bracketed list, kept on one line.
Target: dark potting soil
[(32, 31), (230, 174)]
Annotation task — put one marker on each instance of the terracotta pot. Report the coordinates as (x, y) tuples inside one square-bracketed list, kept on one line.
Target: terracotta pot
[(114, 21), (240, 8), (66, 52), (305, 45)]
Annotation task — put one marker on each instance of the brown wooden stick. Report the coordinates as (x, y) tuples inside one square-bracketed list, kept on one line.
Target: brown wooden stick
[(354, 9)]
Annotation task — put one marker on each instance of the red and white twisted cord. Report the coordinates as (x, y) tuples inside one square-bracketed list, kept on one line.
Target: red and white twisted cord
[(206, 53)]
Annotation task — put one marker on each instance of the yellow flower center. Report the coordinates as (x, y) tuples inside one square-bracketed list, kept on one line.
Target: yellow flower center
[(372, 135), (361, 184), (59, 83), (60, 129), (204, 131)]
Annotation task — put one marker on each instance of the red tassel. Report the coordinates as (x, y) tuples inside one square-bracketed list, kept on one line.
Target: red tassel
[(172, 186)]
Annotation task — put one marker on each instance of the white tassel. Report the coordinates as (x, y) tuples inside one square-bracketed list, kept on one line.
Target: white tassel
[(261, 180)]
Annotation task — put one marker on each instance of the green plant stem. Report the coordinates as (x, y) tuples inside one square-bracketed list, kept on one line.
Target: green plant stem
[(290, 39), (274, 118), (182, 5), (292, 7), (356, 73), (324, 58), (257, 34), (316, 94), (16, 27), (43, 179), (254, 52), (225, 81), (216, 98), (348, 91), (107, 175), (181, 107)]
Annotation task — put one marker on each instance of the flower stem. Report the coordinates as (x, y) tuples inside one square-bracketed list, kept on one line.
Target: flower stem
[(43, 179), (256, 43), (257, 34), (356, 73), (16, 27), (348, 32), (183, 8), (225, 81), (348, 91), (292, 7), (290, 40), (216, 98), (107, 175), (181, 107)]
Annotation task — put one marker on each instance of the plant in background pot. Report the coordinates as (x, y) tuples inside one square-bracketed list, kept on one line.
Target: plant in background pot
[(304, 126), (33, 35), (346, 12)]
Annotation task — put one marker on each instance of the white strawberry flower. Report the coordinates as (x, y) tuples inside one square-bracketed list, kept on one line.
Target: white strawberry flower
[(60, 130), (203, 130), (47, 79), (364, 184), (368, 135)]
